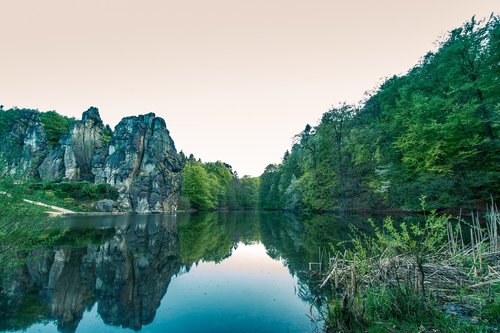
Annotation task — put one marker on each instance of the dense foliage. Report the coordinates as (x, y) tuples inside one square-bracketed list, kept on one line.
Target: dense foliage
[(402, 277), (55, 126), (6, 118), (74, 190), (214, 185), (433, 132)]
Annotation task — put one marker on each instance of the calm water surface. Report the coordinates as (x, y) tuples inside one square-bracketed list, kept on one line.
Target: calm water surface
[(211, 272)]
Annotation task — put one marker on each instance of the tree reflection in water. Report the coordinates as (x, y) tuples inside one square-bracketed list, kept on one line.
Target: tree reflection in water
[(124, 264)]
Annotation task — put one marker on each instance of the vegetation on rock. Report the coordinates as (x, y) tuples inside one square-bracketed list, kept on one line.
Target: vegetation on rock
[(55, 125)]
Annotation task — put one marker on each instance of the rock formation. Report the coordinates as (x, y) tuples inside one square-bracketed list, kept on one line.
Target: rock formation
[(84, 140), (52, 167), (106, 205), (127, 276), (142, 163), (140, 160), (133, 273), (24, 144), (72, 159)]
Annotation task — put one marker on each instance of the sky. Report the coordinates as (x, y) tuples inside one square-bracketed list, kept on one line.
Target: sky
[(234, 80)]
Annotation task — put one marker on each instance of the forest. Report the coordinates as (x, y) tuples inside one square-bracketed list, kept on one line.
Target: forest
[(215, 186), (431, 132), (425, 141)]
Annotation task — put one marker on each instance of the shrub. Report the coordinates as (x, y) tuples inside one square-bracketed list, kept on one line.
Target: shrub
[(7, 117), (76, 190), (382, 276), (69, 201), (55, 125), (50, 194), (183, 203)]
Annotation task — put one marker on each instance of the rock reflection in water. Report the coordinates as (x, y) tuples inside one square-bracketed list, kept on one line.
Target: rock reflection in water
[(127, 276), (121, 267)]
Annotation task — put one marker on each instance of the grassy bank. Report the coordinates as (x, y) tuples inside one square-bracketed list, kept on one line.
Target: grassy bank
[(76, 196), (437, 276), (23, 227)]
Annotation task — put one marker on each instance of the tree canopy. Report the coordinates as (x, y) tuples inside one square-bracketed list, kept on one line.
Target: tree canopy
[(214, 185), (432, 131)]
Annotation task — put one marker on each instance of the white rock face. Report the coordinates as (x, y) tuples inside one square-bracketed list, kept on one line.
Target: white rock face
[(143, 165), (24, 145), (72, 160), (85, 139), (140, 161)]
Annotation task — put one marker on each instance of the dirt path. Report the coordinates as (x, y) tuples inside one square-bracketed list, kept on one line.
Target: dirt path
[(56, 210)]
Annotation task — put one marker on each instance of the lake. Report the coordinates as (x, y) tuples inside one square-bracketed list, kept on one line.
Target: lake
[(199, 272)]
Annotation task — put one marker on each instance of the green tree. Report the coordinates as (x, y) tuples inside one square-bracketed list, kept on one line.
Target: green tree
[(55, 126), (196, 185), (432, 132), (269, 196), (221, 181)]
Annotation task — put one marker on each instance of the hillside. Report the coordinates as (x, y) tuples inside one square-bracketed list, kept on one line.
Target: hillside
[(431, 132)]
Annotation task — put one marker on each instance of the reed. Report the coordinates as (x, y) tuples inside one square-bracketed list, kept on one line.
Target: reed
[(417, 263)]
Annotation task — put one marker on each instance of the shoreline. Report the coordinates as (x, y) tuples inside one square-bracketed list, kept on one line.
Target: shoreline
[(385, 212)]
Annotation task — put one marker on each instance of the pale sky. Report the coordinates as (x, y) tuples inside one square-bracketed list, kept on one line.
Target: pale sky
[(234, 80)]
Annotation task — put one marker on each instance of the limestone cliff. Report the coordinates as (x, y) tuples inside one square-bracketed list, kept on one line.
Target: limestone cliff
[(72, 159), (140, 160), (133, 273), (24, 144), (142, 163), (127, 276)]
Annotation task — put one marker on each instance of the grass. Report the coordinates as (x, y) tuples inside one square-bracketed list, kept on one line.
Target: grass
[(379, 308), (23, 226), (76, 196), (403, 279), (78, 206)]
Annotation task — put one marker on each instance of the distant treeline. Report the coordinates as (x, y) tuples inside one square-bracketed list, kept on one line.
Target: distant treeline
[(433, 132), (214, 186)]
